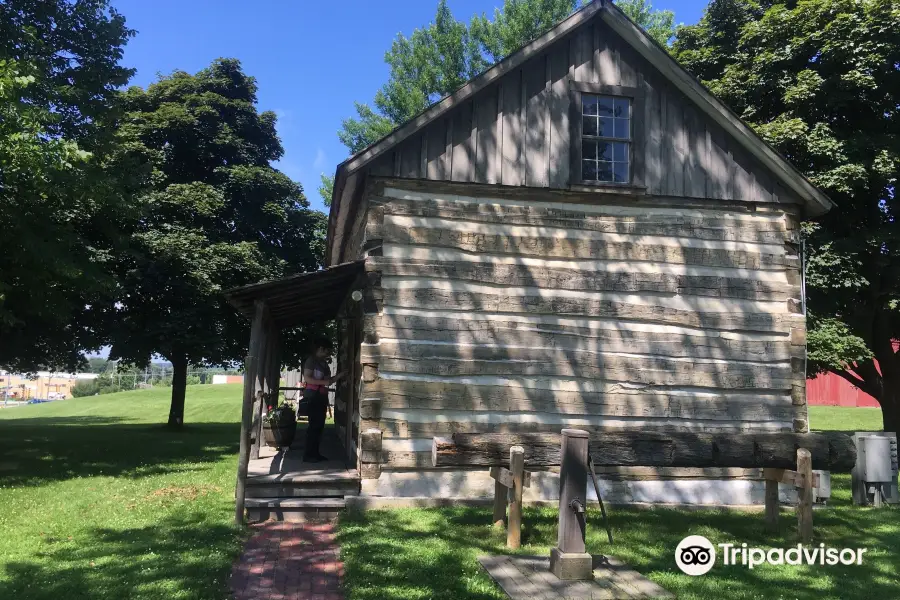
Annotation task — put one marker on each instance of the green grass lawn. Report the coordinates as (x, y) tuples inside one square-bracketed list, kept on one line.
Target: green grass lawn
[(419, 554), (99, 500)]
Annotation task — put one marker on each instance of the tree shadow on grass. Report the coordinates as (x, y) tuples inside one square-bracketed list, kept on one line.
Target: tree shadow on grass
[(432, 553), (38, 451), (176, 558)]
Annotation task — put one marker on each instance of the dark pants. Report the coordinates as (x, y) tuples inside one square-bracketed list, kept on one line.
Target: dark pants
[(318, 406)]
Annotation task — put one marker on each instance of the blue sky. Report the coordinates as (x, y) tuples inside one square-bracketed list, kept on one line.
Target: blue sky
[(311, 59)]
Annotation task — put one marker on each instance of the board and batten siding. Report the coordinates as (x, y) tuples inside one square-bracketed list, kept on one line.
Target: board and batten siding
[(517, 131), (492, 314)]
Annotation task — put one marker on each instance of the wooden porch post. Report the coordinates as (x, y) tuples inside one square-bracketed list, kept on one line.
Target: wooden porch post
[(261, 380), (251, 366)]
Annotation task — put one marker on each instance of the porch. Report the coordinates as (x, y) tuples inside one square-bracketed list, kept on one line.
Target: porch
[(281, 486)]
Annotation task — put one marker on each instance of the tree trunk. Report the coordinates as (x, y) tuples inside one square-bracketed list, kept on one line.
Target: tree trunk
[(890, 407), (179, 387)]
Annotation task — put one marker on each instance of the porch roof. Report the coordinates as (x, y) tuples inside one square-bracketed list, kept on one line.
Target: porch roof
[(298, 299)]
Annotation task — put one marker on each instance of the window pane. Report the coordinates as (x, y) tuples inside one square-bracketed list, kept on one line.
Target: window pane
[(589, 149), (620, 172), (604, 171), (621, 107), (606, 127), (588, 105), (623, 129), (589, 170), (606, 106), (604, 151), (620, 152), (589, 125)]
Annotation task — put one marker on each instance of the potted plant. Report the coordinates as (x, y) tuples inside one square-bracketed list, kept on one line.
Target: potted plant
[(279, 426)]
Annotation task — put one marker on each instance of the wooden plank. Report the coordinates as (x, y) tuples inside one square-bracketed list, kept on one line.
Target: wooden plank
[(647, 371), (697, 154), (400, 428), (517, 468), (677, 146), (463, 160), (600, 399), (718, 180), (582, 54), (462, 300), (500, 494), (553, 278), (805, 495), (580, 248), (627, 61), (558, 105), (828, 451), (461, 423), (607, 64), (722, 228), (597, 355), (513, 140), (636, 342), (744, 185), (410, 157), (771, 505), (486, 168), (536, 114), (654, 135), (436, 148), (505, 477)]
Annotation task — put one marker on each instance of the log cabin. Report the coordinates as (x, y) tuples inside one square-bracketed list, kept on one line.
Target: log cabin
[(581, 236)]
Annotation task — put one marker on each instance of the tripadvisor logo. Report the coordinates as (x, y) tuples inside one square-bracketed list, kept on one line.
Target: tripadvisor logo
[(696, 555)]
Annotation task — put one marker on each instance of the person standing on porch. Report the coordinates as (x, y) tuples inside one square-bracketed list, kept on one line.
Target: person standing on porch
[(317, 375)]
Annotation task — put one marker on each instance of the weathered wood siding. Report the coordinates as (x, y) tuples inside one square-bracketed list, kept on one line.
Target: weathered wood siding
[(490, 314), (517, 131)]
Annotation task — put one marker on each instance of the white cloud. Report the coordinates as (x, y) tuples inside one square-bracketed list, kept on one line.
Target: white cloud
[(320, 161)]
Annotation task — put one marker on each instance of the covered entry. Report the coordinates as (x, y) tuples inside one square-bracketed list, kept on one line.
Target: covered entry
[(273, 483)]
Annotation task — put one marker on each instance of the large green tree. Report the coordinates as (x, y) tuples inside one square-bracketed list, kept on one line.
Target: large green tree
[(439, 58), (63, 196), (216, 216), (820, 81)]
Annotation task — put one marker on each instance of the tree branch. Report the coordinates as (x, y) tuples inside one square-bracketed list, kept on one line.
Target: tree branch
[(857, 381)]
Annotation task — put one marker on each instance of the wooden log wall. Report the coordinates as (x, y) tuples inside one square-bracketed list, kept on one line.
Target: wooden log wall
[(517, 131), (490, 315)]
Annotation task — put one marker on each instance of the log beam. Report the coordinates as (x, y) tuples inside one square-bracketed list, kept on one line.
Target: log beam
[(829, 451)]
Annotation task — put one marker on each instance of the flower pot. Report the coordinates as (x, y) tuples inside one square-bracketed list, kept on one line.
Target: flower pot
[(279, 435)]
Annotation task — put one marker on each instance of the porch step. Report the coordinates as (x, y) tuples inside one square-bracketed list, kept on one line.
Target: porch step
[(304, 484), (293, 509), (297, 503), (302, 491)]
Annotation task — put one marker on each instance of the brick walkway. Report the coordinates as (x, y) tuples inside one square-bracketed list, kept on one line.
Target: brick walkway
[(289, 561)]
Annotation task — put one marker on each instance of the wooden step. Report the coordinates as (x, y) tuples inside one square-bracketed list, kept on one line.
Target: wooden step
[(297, 503), (302, 491), (293, 509)]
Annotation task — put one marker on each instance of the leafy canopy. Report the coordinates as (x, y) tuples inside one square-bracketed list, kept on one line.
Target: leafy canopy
[(819, 80), (217, 215), (62, 197)]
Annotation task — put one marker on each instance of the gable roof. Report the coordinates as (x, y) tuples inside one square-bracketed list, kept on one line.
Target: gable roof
[(816, 202)]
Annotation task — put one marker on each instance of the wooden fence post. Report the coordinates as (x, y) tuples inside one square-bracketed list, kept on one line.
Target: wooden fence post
[(500, 501), (805, 492), (771, 504), (517, 468)]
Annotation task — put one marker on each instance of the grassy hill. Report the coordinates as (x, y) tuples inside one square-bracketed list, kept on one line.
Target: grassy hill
[(98, 499)]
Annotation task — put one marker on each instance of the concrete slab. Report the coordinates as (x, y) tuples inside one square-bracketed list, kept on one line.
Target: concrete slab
[(529, 578)]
